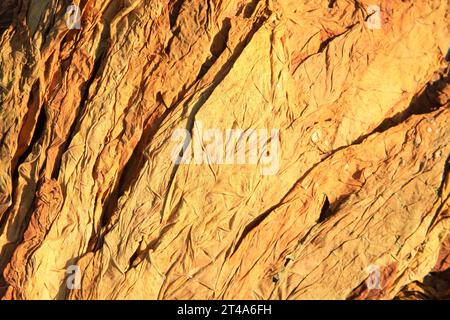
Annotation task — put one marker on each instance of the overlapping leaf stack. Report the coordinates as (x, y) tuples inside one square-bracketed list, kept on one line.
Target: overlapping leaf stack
[(86, 176)]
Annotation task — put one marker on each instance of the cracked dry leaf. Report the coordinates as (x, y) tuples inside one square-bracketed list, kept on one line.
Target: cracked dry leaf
[(237, 149)]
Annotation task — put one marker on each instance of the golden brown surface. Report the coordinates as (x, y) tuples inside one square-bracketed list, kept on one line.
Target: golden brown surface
[(86, 170)]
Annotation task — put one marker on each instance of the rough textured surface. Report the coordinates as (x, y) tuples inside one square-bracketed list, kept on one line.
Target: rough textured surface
[(86, 172)]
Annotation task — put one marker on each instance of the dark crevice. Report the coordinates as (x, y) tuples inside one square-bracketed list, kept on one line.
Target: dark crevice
[(337, 204), (260, 218), (8, 13), (29, 125), (135, 256), (218, 46), (131, 170), (444, 176), (128, 175), (38, 131), (325, 212), (275, 278), (248, 9), (326, 42), (431, 98), (49, 25), (438, 213), (77, 122), (281, 202), (435, 286), (160, 99), (252, 225), (153, 244), (139, 254), (175, 33), (97, 68), (174, 12), (323, 46), (286, 262)]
